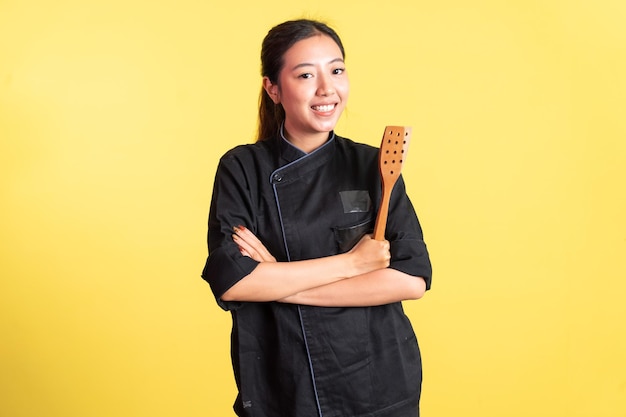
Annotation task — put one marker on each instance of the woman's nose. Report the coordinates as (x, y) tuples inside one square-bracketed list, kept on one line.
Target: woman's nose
[(325, 87)]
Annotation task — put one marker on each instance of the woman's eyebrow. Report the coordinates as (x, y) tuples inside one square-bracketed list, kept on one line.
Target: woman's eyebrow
[(308, 64)]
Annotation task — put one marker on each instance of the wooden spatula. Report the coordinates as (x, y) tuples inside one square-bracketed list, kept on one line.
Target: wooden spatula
[(391, 156)]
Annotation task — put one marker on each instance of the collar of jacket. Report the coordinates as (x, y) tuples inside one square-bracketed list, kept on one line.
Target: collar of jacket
[(295, 163)]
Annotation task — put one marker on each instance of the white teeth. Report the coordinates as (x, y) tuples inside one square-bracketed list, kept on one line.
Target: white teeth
[(325, 108)]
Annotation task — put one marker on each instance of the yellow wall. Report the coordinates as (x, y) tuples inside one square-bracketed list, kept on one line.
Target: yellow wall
[(113, 115)]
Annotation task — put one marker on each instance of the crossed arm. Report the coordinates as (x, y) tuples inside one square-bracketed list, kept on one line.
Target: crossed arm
[(359, 277)]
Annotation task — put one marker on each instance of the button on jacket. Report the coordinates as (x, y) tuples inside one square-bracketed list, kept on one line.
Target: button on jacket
[(305, 361)]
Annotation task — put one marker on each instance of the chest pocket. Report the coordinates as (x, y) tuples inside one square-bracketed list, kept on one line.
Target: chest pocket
[(357, 206), (348, 236)]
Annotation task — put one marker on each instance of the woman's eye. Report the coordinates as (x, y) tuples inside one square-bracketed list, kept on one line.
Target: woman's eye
[(306, 75), (338, 71)]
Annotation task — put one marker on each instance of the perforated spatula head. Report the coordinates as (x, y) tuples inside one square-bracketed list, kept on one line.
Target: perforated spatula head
[(393, 150), (391, 156)]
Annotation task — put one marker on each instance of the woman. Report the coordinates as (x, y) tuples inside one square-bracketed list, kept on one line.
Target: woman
[(318, 325)]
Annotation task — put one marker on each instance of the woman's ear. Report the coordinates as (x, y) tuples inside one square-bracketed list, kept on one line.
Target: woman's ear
[(271, 89)]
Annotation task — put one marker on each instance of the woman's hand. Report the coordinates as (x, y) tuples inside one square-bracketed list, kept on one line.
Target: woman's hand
[(251, 246), (369, 255)]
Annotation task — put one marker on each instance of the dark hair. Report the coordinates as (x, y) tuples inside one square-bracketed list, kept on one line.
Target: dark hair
[(276, 43)]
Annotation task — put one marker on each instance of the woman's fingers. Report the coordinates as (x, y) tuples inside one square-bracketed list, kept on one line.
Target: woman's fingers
[(251, 246), (245, 248), (371, 254)]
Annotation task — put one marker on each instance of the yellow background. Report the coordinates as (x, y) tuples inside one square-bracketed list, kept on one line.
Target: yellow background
[(113, 115)]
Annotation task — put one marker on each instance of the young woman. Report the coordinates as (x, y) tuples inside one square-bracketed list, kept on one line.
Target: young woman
[(318, 325)]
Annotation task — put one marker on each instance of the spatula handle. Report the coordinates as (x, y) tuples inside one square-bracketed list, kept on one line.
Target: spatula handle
[(381, 217)]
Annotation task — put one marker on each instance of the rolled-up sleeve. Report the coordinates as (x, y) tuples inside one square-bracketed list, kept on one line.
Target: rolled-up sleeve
[(230, 206), (404, 232)]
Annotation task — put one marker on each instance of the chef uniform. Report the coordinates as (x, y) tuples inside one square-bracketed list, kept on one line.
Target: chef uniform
[(306, 361)]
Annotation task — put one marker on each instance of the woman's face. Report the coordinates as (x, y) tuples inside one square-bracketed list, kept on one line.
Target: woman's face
[(312, 88)]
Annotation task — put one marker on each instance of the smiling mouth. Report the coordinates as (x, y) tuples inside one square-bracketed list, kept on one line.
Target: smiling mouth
[(324, 108)]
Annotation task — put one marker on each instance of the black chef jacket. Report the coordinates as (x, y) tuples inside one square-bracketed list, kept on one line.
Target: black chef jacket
[(305, 361)]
